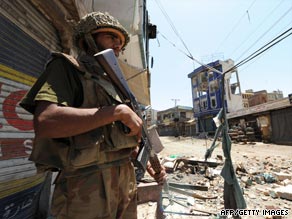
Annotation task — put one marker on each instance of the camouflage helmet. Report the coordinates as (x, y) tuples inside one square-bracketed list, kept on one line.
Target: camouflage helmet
[(99, 22)]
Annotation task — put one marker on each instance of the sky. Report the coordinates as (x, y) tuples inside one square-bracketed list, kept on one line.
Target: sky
[(218, 29)]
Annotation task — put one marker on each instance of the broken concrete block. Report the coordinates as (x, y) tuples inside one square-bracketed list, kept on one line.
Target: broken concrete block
[(282, 176), (148, 192), (287, 182), (168, 165), (285, 192)]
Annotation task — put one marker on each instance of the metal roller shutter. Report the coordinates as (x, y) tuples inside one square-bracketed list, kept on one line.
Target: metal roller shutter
[(22, 60), (26, 38), (31, 21), (19, 51), (282, 126)]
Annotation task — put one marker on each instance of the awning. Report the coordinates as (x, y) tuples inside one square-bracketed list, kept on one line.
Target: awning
[(131, 15), (138, 82)]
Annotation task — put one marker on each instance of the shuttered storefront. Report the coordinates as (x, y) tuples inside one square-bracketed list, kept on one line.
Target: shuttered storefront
[(282, 126), (26, 38)]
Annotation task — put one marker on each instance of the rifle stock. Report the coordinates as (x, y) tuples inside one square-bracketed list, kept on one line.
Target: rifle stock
[(110, 65)]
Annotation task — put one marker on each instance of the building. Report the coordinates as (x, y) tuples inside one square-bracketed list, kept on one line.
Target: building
[(176, 121), (29, 31), (275, 95), (150, 116), (207, 93), (245, 97), (251, 98), (258, 98), (270, 121), (266, 116)]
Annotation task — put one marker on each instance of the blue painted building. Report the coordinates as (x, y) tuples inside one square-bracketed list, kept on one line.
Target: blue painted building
[(207, 92)]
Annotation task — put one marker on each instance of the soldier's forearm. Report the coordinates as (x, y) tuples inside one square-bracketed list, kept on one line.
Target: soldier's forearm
[(54, 121)]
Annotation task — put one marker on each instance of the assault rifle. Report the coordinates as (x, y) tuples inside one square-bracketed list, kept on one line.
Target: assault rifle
[(110, 65)]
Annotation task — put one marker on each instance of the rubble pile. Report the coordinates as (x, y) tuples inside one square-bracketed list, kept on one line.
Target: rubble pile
[(239, 134), (266, 183), (270, 178), (264, 172)]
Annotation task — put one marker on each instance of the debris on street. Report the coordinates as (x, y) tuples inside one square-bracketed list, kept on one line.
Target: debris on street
[(264, 173)]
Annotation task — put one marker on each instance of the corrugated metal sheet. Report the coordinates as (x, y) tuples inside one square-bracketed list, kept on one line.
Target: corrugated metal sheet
[(22, 59), (138, 82), (31, 21), (12, 206), (282, 126), (19, 51), (26, 37)]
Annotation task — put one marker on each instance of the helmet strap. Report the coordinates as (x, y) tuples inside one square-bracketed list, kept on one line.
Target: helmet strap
[(91, 45)]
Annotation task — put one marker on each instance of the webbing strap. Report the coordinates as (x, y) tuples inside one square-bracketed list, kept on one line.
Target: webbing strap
[(94, 168)]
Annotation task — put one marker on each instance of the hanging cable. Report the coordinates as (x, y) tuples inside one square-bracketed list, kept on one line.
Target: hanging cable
[(172, 26), (245, 60), (290, 24), (189, 56), (266, 32), (255, 54), (234, 27), (257, 28)]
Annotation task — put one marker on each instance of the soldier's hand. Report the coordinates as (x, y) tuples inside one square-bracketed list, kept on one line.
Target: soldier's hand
[(160, 178), (130, 119)]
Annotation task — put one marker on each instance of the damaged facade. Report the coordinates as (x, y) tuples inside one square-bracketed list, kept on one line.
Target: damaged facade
[(252, 116), (207, 92), (270, 121), (176, 121)]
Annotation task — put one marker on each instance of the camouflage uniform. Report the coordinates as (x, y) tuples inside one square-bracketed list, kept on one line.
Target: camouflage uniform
[(107, 193), (96, 178)]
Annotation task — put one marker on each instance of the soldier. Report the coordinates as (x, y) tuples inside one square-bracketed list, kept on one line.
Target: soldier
[(77, 128)]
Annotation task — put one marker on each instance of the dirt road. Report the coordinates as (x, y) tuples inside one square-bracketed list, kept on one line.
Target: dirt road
[(197, 147)]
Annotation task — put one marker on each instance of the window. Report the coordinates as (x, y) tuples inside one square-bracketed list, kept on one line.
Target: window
[(210, 75), (195, 92), (194, 81), (213, 102), (214, 86), (196, 106), (203, 77), (183, 115), (204, 104)]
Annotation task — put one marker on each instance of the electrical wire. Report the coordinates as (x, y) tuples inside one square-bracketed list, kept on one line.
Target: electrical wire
[(234, 27), (245, 60), (290, 24), (189, 56), (265, 32), (262, 50), (172, 26), (257, 28)]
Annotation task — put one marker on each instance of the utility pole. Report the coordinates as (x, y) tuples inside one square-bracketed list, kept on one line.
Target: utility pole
[(176, 117), (175, 101)]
